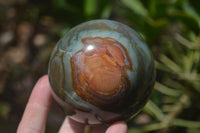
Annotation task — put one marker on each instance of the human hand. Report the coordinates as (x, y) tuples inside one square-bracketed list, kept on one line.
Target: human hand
[(35, 114)]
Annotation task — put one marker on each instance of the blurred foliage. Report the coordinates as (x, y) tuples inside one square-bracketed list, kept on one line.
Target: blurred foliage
[(29, 30), (4, 110)]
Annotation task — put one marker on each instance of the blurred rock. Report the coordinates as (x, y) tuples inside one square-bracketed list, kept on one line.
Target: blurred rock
[(142, 119), (39, 40), (2, 85), (6, 38), (17, 55), (11, 13), (7, 2), (4, 110), (24, 84), (24, 32), (47, 21)]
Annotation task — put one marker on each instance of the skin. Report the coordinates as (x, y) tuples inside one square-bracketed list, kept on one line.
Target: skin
[(38, 106)]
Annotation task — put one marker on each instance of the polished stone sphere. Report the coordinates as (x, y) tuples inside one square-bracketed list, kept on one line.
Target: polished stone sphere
[(101, 71)]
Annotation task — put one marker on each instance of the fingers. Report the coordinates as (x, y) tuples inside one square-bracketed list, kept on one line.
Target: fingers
[(34, 117), (98, 128), (35, 114), (118, 127), (71, 126)]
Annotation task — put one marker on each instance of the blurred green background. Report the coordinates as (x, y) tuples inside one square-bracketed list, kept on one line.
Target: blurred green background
[(29, 29)]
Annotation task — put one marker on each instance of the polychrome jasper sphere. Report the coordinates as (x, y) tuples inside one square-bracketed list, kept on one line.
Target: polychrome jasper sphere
[(101, 71)]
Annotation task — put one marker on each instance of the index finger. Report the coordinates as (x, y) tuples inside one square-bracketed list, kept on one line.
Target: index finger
[(35, 114)]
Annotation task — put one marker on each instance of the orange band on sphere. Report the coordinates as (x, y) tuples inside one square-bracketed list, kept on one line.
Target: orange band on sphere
[(99, 71)]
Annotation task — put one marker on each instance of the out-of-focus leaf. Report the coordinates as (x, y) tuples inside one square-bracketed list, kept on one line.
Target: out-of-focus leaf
[(59, 3), (60, 31), (186, 123), (187, 43), (190, 76), (166, 90), (136, 6), (195, 4), (135, 131), (4, 110), (170, 64), (190, 10), (157, 8), (185, 18), (106, 11), (152, 109), (193, 130), (156, 28), (90, 7), (95, 9), (173, 83), (162, 67)]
